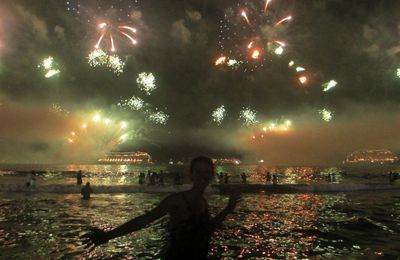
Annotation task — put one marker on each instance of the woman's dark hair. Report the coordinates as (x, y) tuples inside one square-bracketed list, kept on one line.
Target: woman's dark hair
[(201, 159)]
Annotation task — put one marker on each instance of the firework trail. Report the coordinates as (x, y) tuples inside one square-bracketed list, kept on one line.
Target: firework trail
[(108, 30), (266, 5), (245, 17), (284, 20)]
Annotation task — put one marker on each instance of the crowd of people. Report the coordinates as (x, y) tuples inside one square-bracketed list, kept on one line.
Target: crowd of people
[(154, 178)]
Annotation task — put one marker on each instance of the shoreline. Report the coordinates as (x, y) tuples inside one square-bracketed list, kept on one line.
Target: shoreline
[(213, 189)]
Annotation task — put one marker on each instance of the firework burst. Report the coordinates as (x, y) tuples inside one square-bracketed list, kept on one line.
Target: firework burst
[(219, 114), (326, 114), (49, 67), (158, 117), (114, 63), (248, 116), (146, 82), (99, 132), (251, 33), (133, 103)]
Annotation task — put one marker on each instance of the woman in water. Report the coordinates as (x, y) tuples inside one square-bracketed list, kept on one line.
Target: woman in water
[(190, 226)]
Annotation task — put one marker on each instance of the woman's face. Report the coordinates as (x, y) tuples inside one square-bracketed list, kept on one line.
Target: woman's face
[(202, 174)]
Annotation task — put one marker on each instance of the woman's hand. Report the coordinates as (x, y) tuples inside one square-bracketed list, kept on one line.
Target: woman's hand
[(94, 238), (233, 201)]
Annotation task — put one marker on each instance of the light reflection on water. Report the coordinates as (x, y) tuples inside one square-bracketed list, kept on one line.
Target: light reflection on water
[(129, 174), (277, 226)]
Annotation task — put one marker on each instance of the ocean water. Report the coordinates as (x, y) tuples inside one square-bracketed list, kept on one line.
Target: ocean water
[(280, 226), (355, 225), (128, 174)]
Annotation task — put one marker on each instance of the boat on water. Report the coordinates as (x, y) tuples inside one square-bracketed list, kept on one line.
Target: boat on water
[(126, 158), (372, 161)]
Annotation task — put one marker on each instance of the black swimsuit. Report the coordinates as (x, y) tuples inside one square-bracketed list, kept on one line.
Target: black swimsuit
[(190, 240)]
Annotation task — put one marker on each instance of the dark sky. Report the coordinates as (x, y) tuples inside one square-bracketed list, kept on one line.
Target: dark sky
[(355, 43)]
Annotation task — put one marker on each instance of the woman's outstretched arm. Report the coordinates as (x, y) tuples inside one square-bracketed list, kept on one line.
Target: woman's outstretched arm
[(97, 236), (216, 222)]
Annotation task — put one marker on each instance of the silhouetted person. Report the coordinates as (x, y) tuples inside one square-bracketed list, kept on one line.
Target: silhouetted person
[(190, 227), (31, 179), (226, 178), (148, 177), (79, 177), (221, 177), (244, 177), (86, 191), (393, 176), (161, 178), (268, 178), (333, 177), (142, 178), (152, 178), (177, 178), (274, 179)]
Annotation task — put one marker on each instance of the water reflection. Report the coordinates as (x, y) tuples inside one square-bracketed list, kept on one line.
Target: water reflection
[(128, 174), (277, 226)]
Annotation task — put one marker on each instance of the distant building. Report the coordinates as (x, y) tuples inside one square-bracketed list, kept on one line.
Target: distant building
[(380, 156), (126, 158)]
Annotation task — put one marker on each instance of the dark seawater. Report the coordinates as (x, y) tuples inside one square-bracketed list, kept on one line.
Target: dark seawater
[(128, 174), (363, 225)]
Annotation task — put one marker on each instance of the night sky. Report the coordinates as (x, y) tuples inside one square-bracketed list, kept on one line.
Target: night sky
[(355, 43)]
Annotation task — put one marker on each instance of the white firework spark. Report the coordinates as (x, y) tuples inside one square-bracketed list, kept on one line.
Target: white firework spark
[(248, 116), (97, 57), (159, 117), (49, 67), (219, 114), (57, 108), (47, 63), (326, 114), (51, 73), (279, 50), (114, 63), (133, 103), (234, 64), (328, 85), (146, 82)]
